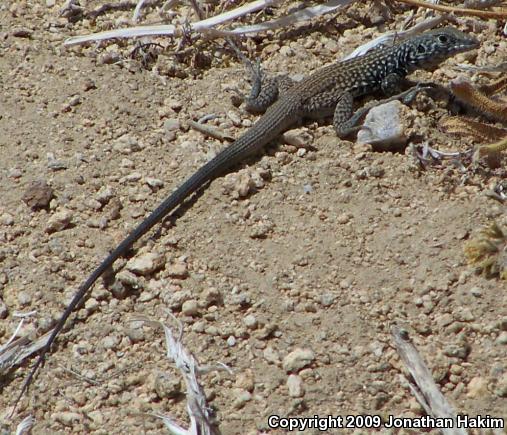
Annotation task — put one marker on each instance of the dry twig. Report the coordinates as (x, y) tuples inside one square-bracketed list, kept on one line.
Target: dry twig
[(461, 11), (425, 389)]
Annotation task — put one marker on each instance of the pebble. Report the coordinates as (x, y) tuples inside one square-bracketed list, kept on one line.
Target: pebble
[(250, 321), (295, 386), (67, 418), (91, 305), (241, 398), (177, 270), (4, 311), (501, 386), (344, 218), (166, 386), (38, 195), (271, 355), (381, 134), (154, 183), (502, 338), (24, 297), (104, 194), (6, 219), (298, 138), (477, 388), (476, 291), (327, 299), (172, 124), (190, 308), (298, 359), (126, 144), (59, 221), (110, 342), (245, 380), (146, 263), (231, 340)]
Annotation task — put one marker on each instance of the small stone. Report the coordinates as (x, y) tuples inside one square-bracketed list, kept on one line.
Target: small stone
[(501, 386), (172, 125), (4, 311), (104, 195), (111, 342), (245, 380), (92, 305), (298, 359), (477, 388), (502, 338), (271, 355), (154, 183), (298, 137), (250, 321), (6, 219), (476, 291), (38, 195), (231, 340), (382, 134), (21, 32), (327, 299), (67, 418), (166, 386), (190, 308), (241, 398), (295, 386), (24, 297), (177, 270), (59, 221), (146, 263), (343, 218)]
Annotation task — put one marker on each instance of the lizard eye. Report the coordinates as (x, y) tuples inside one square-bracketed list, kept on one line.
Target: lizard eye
[(421, 49), (443, 39)]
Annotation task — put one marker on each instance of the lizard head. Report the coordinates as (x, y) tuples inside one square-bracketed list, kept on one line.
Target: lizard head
[(431, 48)]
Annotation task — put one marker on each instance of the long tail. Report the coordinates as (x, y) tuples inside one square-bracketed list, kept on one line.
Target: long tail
[(268, 127)]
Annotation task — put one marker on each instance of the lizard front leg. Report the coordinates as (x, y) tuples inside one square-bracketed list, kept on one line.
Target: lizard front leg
[(265, 90)]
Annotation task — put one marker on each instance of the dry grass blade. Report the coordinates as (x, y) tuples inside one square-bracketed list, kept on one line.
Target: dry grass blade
[(426, 390), (198, 410), (207, 26), (502, 14), (25, 426)]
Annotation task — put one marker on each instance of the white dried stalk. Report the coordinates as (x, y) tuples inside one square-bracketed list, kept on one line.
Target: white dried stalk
[(207, 26), (16, 350), (197, 407), (426, 390), (25, 425)]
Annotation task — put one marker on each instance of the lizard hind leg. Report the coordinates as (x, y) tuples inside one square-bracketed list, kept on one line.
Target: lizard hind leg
[(342, 118)]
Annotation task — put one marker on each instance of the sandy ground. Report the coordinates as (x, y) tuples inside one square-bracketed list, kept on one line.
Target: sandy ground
[(334, 245)]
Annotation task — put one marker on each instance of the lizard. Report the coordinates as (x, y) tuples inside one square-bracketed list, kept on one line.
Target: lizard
[(331, 90)]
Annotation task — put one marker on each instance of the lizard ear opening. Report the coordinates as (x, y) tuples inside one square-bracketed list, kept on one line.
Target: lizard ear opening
[(421, 49)]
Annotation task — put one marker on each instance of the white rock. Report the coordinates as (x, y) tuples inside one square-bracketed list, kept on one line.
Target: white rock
[(384, 125), (298, 359), (190, 308), (59, 221), (147, 263), (295, 386)]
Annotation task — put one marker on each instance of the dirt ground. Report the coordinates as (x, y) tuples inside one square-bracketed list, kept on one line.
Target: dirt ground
[(294, 286)]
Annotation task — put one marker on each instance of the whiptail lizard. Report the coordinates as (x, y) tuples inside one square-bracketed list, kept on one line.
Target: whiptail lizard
[(329, 91)]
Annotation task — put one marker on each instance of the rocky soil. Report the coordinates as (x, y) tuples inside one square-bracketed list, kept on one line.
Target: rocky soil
[(290, 270)]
